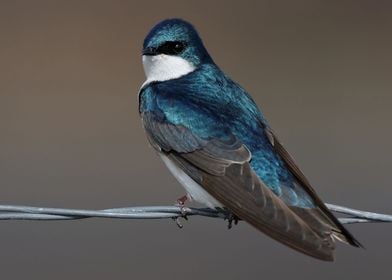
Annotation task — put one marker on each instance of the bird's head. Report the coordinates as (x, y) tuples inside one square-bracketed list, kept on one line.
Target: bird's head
[(172, 49)]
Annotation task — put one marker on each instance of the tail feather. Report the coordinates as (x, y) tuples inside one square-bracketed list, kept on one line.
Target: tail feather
[(323, 222)]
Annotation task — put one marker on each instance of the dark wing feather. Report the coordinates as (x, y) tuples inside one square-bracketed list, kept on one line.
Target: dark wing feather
[(317, 215), (165, 136), (241, 191), (222, 168)]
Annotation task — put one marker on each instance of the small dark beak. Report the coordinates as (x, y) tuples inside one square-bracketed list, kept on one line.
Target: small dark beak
[(149, 51)]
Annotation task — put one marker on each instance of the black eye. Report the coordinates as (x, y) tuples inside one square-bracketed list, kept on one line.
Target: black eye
[(172, 47)]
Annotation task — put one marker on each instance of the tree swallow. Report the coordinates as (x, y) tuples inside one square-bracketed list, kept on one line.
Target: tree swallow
[(216, 142)]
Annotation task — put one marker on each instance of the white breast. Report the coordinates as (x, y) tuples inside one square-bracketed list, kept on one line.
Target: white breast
[(164, 67), (194, 190)]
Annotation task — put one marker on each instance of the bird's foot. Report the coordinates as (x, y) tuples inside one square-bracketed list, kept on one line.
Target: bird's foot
[(181, 203), (231, 218)]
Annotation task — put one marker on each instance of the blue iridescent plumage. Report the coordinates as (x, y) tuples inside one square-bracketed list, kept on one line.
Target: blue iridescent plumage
[(212, 106), (217, 143)]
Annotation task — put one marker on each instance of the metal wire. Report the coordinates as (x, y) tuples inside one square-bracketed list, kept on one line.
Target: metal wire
[(14, 212)]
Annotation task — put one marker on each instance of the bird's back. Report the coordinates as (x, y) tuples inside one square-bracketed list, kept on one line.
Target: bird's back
[(212, 106)]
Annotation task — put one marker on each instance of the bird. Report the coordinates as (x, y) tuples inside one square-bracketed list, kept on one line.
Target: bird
[(217, 143)]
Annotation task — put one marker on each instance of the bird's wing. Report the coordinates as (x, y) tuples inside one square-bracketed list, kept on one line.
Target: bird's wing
[(319, 214), (222, 168)]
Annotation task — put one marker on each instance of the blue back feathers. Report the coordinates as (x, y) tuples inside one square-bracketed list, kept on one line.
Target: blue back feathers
[(211, 105)]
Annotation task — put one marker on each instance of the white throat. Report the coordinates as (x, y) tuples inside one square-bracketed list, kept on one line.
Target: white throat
[(164, 67)]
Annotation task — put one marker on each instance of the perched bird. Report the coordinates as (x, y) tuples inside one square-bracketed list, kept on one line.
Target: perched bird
[(216, 142)]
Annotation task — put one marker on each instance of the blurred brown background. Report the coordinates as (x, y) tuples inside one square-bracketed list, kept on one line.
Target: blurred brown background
[(71, 136)]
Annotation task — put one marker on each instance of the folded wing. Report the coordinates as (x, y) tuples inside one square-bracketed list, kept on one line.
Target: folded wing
[(221, 167)]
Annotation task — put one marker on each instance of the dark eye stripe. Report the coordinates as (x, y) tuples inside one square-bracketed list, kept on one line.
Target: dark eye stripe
[(172, 47)]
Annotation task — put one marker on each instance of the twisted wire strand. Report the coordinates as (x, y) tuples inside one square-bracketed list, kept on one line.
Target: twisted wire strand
[(14, 212)]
